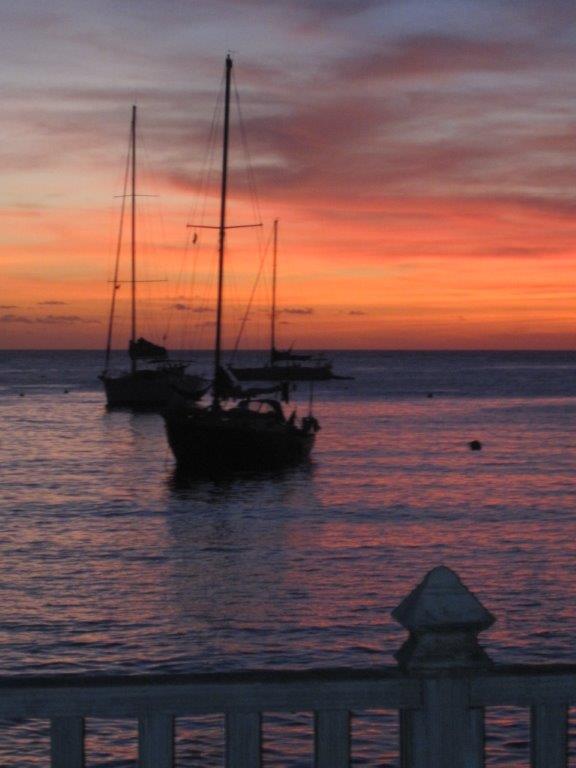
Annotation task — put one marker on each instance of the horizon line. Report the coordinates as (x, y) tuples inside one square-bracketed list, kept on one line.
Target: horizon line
[(331, 350)]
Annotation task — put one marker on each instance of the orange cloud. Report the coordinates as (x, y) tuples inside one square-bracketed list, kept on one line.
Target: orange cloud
[(423, 180)]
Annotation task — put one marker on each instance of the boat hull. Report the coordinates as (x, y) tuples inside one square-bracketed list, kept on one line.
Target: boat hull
[(205, 445), (149, 389)]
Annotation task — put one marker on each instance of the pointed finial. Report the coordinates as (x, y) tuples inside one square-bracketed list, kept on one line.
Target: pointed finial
[(444, 619)]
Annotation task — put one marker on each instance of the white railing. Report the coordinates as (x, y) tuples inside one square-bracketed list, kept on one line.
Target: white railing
[(441, 688)]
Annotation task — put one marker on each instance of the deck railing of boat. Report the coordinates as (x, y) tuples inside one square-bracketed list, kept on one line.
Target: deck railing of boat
[(442, 686)]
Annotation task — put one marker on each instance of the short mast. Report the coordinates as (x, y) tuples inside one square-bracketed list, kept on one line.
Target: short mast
[(133, 235), (273, 311), (222, 231)]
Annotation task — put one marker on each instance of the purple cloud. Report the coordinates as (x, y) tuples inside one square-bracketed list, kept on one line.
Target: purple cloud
[(189, 308), (46, 319), (297, 311), (439, 54), (15, 319), (64, 319)]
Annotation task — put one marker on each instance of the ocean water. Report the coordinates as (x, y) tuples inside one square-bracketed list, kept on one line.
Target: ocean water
[(108, 563)]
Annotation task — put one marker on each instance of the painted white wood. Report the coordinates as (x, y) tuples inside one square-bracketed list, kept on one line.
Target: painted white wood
[(206, 694), (477, 750), (332, 739), (446, 682), (447, 723), (549, 736), (436, 709), (156, 741), (243, 740), (528, 686), (445, 732), (444, 619), (413, 739), (67, 742)]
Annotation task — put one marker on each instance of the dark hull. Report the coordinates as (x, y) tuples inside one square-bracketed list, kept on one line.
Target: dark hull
[(203, 444), (284, 373), (149, 389)]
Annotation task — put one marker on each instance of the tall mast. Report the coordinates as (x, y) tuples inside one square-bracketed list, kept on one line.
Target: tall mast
[(273, 312), (133, 234), (222, 231), (115, 285)]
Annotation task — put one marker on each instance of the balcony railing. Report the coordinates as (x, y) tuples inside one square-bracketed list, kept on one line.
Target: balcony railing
[(441, 687)]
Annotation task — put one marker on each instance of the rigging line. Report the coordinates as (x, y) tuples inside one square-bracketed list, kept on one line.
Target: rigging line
[(205, 174), (250, 173), (177, 289), (202, 308), (201, 327), (189, 328), (250, 165), (208, 171), (188, 313), (117, 259), (189, 235), (184, 327), (193, 326), (207, 168), (203, 305), (213, 148), (161, 236), (248, 308)]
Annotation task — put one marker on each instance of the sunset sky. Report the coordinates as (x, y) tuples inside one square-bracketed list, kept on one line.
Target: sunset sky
[(419, 154)]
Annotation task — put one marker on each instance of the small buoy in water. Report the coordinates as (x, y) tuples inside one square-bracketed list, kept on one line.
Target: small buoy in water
[(475, 445), (21, 394), (430, 394), (66, 391)]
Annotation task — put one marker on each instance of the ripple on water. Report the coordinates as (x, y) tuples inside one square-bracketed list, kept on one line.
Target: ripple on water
[(108, 561)]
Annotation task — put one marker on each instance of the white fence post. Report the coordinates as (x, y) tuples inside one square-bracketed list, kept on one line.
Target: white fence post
[(332, 739), (67, 742), (156, 741), (244, 740), (444, 619), (549, 737)]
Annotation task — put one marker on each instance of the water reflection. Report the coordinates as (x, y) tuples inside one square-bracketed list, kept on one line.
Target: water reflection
[(110, 559), (242, 484)]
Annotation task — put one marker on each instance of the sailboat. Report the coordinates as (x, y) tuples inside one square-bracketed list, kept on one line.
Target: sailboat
[(285, 365), (236, 430), (149, 382)]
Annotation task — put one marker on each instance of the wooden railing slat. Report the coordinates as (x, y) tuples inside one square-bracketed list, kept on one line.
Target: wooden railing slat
[(156, 741), (525, 688), (549, 736), (445, 732), (243, 740), (477, 749), (67, 742), (262, 692), (332, 739)]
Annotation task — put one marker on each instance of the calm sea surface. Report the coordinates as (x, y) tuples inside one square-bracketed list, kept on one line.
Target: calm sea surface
[(107, 564)]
